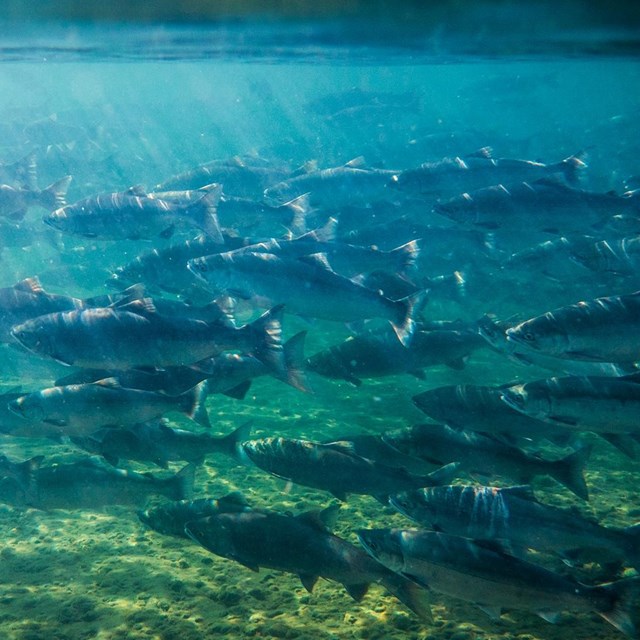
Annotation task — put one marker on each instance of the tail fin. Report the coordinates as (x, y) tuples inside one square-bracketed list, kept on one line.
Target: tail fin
[(405, 325), (572, 166), (192, 402), (412, 596), (205, 215), (624, 598), (230, 445), (54, 196), (182, 483), (294, 359), (404, 258), (569, 471), (265, 339), (26, 476)]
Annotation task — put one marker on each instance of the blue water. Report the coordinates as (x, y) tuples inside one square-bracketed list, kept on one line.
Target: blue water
[(115, 107)]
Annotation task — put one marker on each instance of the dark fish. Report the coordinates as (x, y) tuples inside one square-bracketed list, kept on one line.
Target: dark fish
[(88, 484), (135, 335), (544, 205), (80, 409), (310, 289), (620, 257), (301, 545), (485, 455), (334, 467), (158, 443), (134, 214), (599, 330), (600, 404), (513, 517), (379, 353), (24, 473), (479, 170), (484, 575), (170, 519), (14, 201), (22, 172)]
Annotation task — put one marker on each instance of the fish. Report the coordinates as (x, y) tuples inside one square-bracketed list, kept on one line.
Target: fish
[(80, 409), (301, 545), (481, 573), (615, 256), (24, 473), (308, 288), (157, 442), (544, 205), (600, 330), (133, 334), (334, 187), (514, 517), (171, 518), (89, 484), (133, 215), (482, 454), (379, 353), (14, 201), (23, 172), (333, 467), (600, 404), (481, 169)]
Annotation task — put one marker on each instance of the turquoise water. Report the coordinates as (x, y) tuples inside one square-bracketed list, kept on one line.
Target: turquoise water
[(140, 114)]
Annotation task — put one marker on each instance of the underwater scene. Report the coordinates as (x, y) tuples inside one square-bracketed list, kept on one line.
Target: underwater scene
[(313, 345)]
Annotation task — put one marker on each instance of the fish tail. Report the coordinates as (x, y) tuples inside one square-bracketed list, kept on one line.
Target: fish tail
[(231, 444), (204, 213), (405, 325), (54, 196), (569, 471), (193, 403), (412, 596), (295, 374), (27, 478), (405, 257), (632, 534), (572, 166), (265, 338), (624, 599), (181, 485)]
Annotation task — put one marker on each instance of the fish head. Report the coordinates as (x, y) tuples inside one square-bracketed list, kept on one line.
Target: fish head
[(34, 337), (407, 502), (28, 407), (541, 334), (528, 399), (61, 219), (214, 270), (384, 545), (214, 533), (280, 193), (459, 209)]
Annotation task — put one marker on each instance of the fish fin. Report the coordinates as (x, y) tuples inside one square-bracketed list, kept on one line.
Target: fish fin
[(265, 335), (412, 595), (625, 595), (320, 519), (493, 612), (623, 442), (569, 471), (308, 581), (112, 459), (136, 190), (239, 391), (343, 446), (573, 166), (234, 501), (193, 403), (357, 591), (444, 475), (340, 495), (295, 374), (326, 233), (139, 306), (406, 256), (355, 163), (404, 326), (54, 196), (414, 578), (184, 481), (31, 285), (523, 491), (230, 444), (568, 420), (319, 260), (299, 207), (482, 152), (204, 214)]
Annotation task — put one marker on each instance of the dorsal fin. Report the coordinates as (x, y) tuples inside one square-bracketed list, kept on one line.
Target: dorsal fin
[(482, 152), (136, 190), (303, 169), (523, 491), (321, 519), (32, 285), (343, 446), (108, 383), (317, 260), (355, 163), (142, 306), (327, 233)]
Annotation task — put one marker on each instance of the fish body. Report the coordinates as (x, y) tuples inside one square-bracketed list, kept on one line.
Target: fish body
[(513, 517), (332, 467), (301, 545), (486, 455), (80, 409), (600, 404), (134, 215), (599, 330), (135, 335), (310, 289), (88, 484), (473, 572)]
